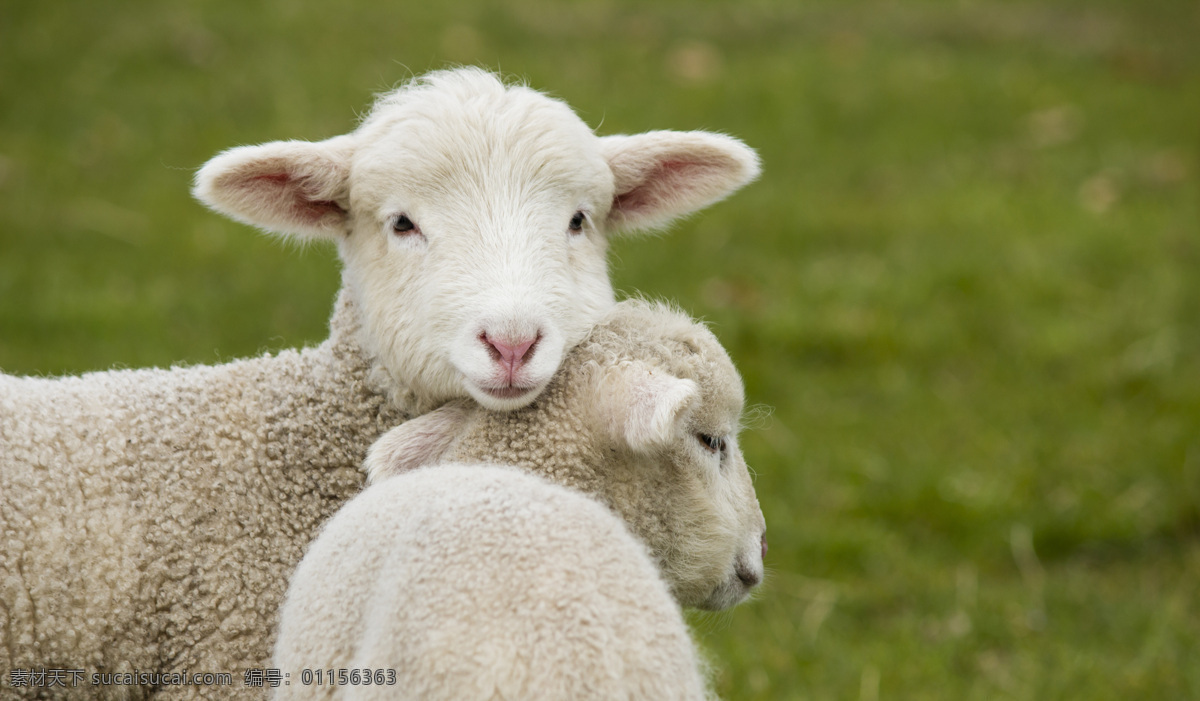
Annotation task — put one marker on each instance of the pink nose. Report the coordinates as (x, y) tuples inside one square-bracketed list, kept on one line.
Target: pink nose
[(510, 355), (764, 545)]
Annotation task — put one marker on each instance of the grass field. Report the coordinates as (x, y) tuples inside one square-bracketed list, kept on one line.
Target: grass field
[(968, 285)]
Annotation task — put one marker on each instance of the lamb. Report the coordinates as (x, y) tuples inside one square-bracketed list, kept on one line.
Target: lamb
[(643, 416), (149, 518), (462, 583), (469, 582)]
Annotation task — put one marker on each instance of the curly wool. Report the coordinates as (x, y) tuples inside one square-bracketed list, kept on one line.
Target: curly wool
[(149, 519)]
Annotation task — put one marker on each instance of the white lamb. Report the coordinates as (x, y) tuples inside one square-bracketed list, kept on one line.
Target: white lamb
[(469, 595), (149, 518), (474, 583), (643, 415)]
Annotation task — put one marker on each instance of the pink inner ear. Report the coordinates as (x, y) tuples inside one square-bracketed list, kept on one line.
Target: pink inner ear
[(303, 207), (317, 209), (663, 183)]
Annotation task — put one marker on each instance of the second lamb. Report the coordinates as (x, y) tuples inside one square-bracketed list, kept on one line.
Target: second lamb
[(643, 416)]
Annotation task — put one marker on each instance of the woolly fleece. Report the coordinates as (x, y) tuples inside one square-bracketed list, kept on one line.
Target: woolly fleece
[(475, 583), (149, 519)]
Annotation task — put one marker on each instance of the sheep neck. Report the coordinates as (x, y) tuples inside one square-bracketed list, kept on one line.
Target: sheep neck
[(349, 344)]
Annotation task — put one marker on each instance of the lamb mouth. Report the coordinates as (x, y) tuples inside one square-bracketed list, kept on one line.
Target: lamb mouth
[(507, 392), (726, 595)]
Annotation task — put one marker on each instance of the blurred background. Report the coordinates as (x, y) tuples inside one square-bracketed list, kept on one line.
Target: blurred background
[(966, 285)]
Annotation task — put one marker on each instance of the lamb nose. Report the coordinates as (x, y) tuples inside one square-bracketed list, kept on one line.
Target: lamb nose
[(764, 545), (511, 355), (749, 577)]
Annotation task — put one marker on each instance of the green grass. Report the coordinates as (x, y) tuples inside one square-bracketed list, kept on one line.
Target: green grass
[(968, 284)]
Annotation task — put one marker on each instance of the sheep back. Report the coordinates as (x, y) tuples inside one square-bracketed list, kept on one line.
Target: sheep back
[(149, 518), (475, 582)]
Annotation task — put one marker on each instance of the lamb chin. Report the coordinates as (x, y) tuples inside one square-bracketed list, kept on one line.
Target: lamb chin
[(504, 398)]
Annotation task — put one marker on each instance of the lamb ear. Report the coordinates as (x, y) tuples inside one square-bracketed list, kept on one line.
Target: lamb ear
[(647, 406), (290, 187), (417, 442), (662, 175)]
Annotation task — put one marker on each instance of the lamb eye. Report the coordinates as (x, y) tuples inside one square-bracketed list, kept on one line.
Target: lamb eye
[(403, 225), (576, 225), (713, 444)]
